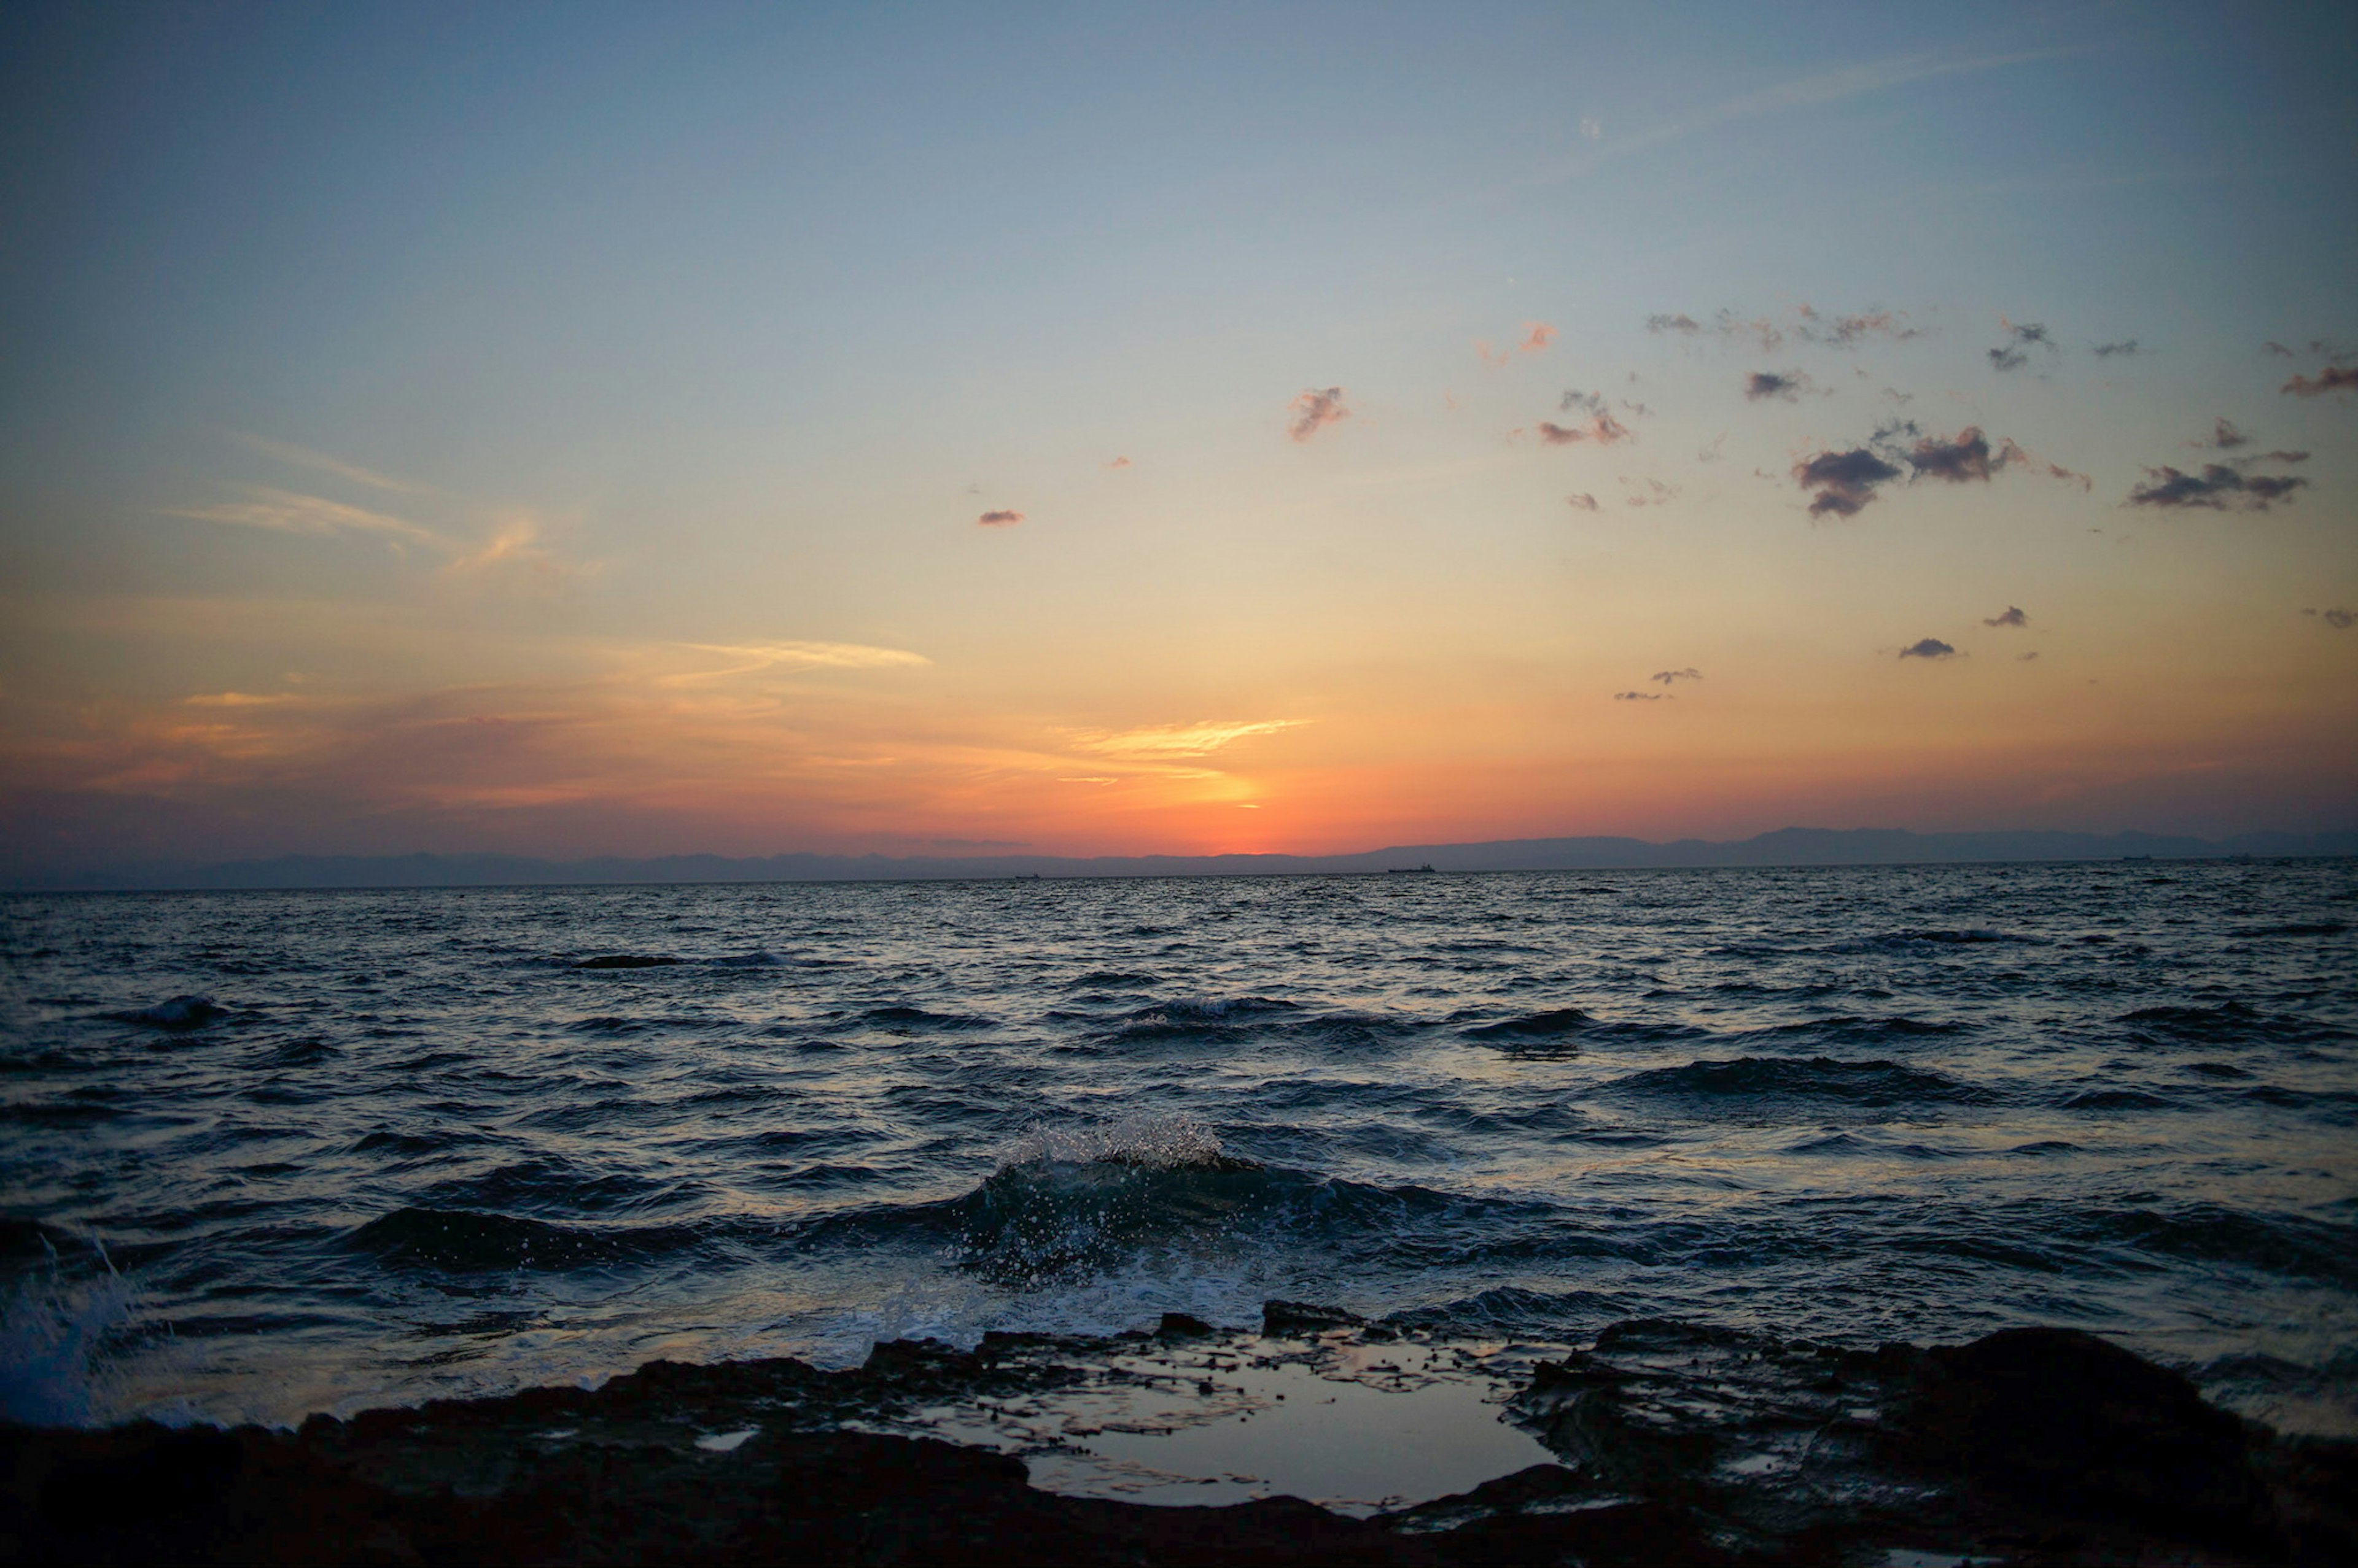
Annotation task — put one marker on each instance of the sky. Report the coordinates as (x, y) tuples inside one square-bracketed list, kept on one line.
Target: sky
[(578, 430)]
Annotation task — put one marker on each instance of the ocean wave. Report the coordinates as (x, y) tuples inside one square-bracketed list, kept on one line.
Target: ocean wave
[(2230, 1021), (1877, 1083), (180, 1013), (1552, 1024), (897, 1018), (464, 1241)]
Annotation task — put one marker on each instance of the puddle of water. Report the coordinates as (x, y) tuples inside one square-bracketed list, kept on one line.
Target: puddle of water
[(1357, 1431)]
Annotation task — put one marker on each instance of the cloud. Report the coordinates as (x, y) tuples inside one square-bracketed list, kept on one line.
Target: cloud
[(1671, 677), (1591, 128), (2226, 436), (286, 512), (1000, 519), (1584, 502), (2124, 348), (1845, 481), (1537, 335), (2341, 620), (1686, 326), (303, 457), (2026, 658), (1602, 429), (2013, 617), (1762, 331), (1928, 648), (1845, 331), (1118, 463), (1655, 495), (1966, 458), (516, 555), (1786, 384), (1314, 410), (1712, 453), (2013, 353), (2273, 347), (1589, 401), (748, 658), (2218, 488), (2332, 378), (1641, 696), (1180, 740)]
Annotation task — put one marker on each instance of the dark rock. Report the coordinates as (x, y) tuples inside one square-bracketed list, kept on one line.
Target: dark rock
[(1179, 1325), (2073, 1422), (627, 961), (1301, 1318)]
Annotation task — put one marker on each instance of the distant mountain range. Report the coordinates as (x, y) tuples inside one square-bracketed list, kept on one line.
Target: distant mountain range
[(1786, 847)]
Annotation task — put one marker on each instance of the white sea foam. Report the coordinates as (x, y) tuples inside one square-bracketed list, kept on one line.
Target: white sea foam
[(1159, 1143), (49, 1330)]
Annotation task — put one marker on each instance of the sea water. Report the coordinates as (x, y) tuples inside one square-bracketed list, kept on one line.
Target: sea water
[(267, 1153)]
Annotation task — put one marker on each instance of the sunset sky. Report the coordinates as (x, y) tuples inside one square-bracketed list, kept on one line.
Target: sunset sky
[(1105, 429)]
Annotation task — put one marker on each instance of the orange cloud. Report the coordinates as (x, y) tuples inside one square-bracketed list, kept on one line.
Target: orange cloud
[(1314, 410), (1537, 335), (1602, 429)]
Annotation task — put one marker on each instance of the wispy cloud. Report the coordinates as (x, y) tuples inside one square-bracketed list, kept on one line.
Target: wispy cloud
[(289, 512), (303, 457), (2013, 616), (1536, 336), (1812, 91), (1001, 518), (1584, 502), (1118, 463), (2021, 337), (1671, 677), (1602, 429), (1170, 741), (1641, 696), (2122, 349), (748, 657), (1848, 331), (1314, 410)]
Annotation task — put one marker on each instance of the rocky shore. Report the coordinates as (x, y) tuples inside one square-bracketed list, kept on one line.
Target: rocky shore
[(1670, 1444)]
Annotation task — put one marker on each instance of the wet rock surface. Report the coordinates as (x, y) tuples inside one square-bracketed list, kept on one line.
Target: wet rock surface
[(1672, 1444)]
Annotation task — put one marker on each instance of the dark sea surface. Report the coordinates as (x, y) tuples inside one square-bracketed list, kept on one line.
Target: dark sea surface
[(339, 1149)]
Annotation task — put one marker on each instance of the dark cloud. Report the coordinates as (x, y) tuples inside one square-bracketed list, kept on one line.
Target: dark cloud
[(1314, 410), (2332, 378), (2226, 436), (2218, 487), (1584, 502), (2341, 620), (2013, 354), (1966, 458), (1845, 481), (1686, 325), (1928, 648), (1602, 429), (1586, 402), (1000, 519), (2026, 658), (2013, 617), (2124, 348), (2281, 456), (1786, 384), (1672, 677), (2273, 347), (1845, 331), (1639, 697)]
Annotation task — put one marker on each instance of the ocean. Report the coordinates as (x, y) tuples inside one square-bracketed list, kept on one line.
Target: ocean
[(272, 1153)]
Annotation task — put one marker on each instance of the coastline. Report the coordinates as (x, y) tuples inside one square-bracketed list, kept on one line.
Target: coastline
[(1660, 1442)]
